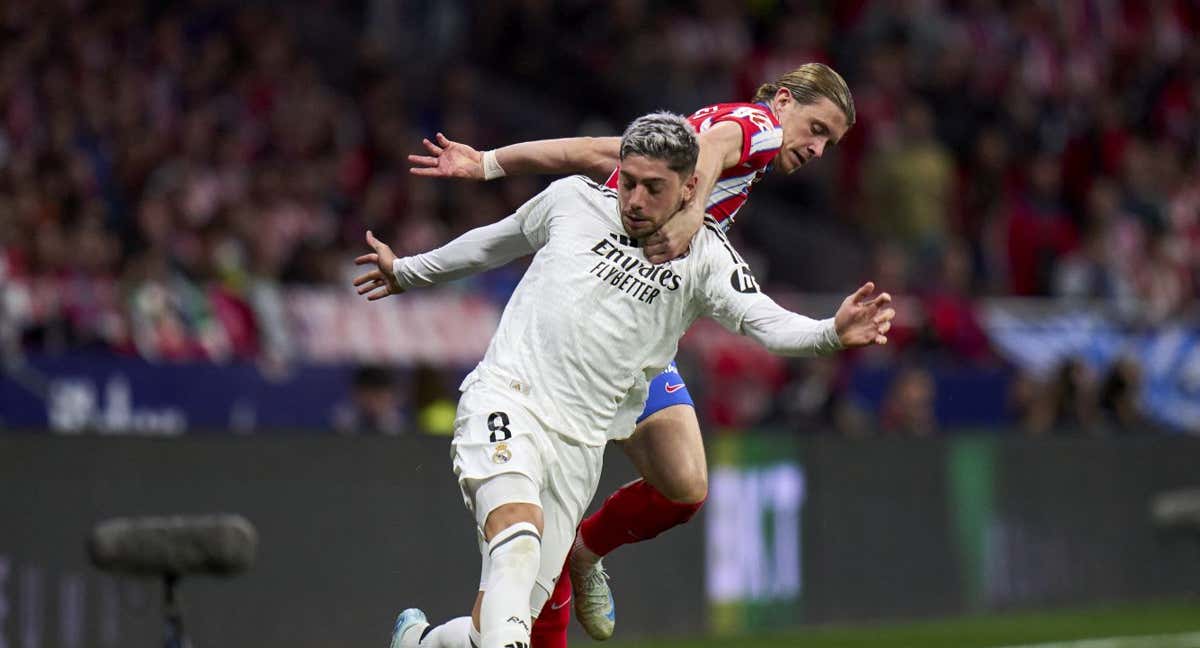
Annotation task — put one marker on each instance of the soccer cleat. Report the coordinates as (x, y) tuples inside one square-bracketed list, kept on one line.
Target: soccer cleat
[(409, 626), (594, 606)]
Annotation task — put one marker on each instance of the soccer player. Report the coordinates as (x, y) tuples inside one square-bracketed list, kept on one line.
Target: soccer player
[(790, 122), (591, 323)]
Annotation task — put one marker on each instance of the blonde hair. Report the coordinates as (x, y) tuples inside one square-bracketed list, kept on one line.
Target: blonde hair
[(808, 83)]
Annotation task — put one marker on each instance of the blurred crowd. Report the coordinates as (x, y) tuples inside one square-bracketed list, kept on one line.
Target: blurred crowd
[(181, 161)]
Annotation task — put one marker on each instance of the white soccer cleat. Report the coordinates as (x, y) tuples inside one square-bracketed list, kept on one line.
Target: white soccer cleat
[(594, 606), (409, 626)]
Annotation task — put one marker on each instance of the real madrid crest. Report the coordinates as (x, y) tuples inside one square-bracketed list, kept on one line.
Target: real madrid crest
[(502, 454)]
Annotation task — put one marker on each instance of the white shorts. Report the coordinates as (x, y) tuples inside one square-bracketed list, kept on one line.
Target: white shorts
[(495, 434)]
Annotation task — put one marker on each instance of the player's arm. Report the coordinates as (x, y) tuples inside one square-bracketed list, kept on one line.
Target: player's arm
[(863, 318), (720, 148), (482, 248), (733, 298), (593, 156)]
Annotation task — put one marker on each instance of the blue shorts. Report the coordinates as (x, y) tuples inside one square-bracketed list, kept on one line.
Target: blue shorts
[(666, 389)]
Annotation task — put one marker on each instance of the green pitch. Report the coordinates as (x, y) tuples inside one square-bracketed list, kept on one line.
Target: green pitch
[(1174, 624)]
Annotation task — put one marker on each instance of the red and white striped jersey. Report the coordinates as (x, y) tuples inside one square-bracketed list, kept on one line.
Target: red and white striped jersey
[(762, 137)]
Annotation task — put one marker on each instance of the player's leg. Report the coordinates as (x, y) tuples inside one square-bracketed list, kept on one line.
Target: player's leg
[(668, 451), (498, 578), (498, 459), (514, 536), (570, 490), (509, 548), (460, 632), (550, 627), (412, 629)]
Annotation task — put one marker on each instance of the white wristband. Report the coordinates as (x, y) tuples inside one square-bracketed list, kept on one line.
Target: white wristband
[(491, 166)]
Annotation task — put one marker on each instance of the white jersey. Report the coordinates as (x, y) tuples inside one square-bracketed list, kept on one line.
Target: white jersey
[(592, 321)]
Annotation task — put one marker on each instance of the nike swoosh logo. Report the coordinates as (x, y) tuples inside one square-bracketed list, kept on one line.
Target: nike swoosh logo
[(559, 606), (671, 389)]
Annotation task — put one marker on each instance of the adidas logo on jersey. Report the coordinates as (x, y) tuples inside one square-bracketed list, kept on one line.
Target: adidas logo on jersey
[(624, 240)]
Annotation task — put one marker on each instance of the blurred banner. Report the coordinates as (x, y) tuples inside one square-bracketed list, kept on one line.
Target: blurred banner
[(817, 531), (753, 531), (795, 532), (301, 324), (77, 394), (284, 357), (1040, 338), (442, 327)]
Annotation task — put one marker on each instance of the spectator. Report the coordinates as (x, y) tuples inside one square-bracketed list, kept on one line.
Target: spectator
[(953, 326), (907, 408), (374, 407), (1065, 403), (1120, 396), (434, 402), (1039, 231), (908, 185), (1093, 270)]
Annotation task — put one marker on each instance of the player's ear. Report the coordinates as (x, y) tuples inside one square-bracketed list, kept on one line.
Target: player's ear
[(783, 97), (689, 187)]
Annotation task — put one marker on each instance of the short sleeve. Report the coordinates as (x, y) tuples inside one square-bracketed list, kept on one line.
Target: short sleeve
[(762, 137)]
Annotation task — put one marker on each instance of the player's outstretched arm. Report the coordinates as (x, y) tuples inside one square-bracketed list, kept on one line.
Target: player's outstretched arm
[(482, 248), (594, 156), (720, 148), (863, 318), (731, 295)]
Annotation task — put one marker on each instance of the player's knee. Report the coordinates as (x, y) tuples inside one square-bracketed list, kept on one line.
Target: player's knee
[(687, 488), (507, 515), (694, 491)]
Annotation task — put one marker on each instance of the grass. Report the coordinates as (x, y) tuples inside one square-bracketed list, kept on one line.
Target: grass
[(979, 632)]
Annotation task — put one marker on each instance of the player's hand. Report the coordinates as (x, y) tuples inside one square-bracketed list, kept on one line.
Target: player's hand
[(380, 282), (864, 318), (448, 159), (671, 240)]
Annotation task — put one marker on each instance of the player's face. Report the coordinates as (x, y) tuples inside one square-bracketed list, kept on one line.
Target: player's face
[(649, 193), (808, 129)]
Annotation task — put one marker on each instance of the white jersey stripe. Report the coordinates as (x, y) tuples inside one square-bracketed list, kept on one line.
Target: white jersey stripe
[(730, 187), (771, 139)]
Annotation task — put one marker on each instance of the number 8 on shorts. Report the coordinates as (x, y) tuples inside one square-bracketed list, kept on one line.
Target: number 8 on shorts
[(494, 434)]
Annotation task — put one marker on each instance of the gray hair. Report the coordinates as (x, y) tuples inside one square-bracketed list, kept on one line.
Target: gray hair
[(663, 136)]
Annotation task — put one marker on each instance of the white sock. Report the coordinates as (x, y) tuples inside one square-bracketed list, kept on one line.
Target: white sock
[(454, 633), (504, 618)]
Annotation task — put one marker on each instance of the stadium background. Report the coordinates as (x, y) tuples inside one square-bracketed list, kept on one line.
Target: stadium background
[(183, 186)]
